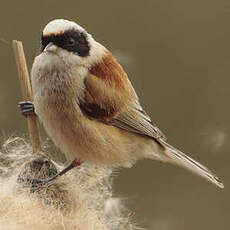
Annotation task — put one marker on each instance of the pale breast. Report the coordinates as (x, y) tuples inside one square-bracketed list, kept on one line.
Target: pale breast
[(55, 97)]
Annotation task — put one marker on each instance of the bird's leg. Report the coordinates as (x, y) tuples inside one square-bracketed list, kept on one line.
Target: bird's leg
[(27, 108), (40, 182)]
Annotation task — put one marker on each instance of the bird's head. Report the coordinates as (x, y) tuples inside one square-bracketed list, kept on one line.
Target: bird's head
[(71, 42)]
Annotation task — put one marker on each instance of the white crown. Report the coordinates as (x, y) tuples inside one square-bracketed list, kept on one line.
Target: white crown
[(59, 26)]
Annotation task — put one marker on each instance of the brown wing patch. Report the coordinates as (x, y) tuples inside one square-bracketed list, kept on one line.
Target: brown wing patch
[(107, 89), (100, 100), (111, 72)]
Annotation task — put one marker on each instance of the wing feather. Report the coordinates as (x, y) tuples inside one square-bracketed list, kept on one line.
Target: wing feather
[(110, 98), (138, 122)]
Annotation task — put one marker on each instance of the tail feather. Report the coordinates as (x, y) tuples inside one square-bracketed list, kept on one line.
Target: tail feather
[(175, 156)]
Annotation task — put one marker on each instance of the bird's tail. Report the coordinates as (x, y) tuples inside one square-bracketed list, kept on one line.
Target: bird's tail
[(175, 156)]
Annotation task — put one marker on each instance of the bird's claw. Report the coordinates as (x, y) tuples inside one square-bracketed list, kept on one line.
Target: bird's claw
[(27, 108)]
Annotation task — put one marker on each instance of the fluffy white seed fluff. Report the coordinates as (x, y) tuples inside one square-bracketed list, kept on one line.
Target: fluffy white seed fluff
[(85, 201)]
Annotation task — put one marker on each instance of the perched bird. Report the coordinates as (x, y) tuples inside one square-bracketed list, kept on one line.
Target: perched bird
[(89, 107)]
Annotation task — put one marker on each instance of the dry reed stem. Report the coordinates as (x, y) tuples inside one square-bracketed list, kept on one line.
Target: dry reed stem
[(27, 94)]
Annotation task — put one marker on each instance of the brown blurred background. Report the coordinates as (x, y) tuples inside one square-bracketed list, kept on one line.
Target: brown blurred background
[(177, 55)]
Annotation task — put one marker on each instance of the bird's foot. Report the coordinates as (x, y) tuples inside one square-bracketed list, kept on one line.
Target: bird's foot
[(27, 108), (35, 183)]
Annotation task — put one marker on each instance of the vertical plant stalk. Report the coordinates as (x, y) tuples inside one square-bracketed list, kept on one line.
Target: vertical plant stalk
[(26, 89)]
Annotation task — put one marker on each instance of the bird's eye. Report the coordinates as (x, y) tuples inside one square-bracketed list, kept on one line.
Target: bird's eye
[(71, 42)]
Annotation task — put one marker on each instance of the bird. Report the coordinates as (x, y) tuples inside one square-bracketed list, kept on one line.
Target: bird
[(89, 108)]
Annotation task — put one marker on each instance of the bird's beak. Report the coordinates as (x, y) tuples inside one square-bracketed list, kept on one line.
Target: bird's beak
[(51, 48)]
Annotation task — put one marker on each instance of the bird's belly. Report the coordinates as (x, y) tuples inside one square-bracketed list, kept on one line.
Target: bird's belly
[(89, 140)]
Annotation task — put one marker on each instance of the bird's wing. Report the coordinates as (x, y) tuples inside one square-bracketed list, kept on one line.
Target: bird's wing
[(110, 98)]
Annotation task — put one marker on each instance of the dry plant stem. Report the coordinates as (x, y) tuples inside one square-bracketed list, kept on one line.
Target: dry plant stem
[(27, 94)]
